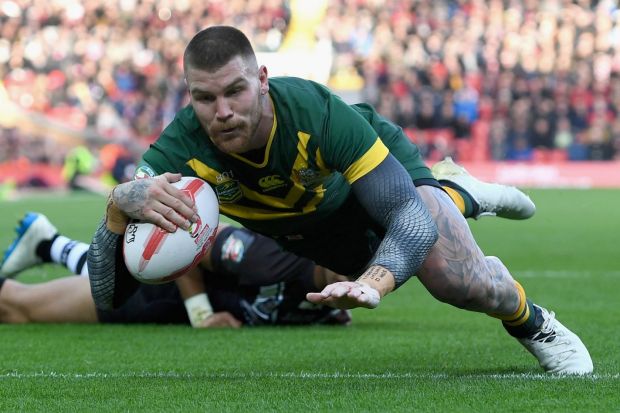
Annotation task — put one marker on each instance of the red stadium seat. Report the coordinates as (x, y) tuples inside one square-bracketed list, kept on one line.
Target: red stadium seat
[(558, 155), (541, 155)]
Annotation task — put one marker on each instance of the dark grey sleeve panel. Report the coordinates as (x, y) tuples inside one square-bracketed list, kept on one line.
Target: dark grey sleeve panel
[(390, 198), (110, 281)]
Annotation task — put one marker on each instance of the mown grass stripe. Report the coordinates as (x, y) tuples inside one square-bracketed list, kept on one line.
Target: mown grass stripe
[(304, 375), (563, 274)]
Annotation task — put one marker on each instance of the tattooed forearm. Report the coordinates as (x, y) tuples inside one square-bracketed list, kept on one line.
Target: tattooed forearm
[(374, 273), (379, 278), (131, 197)]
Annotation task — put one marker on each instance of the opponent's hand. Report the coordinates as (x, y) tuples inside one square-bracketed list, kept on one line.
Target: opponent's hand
[(219, 320), (346, 295), (157, 201)]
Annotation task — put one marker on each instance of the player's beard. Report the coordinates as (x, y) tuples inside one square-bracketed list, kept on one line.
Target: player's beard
[(238, 135)]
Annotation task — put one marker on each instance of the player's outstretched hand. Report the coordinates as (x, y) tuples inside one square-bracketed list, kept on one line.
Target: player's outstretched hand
[(157, 201), (220, 319), (346, 295)]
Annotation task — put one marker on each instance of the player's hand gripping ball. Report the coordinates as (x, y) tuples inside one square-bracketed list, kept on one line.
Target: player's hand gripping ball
[(154, 255)]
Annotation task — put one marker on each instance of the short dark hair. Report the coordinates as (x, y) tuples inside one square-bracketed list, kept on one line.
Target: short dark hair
[(213, 47)]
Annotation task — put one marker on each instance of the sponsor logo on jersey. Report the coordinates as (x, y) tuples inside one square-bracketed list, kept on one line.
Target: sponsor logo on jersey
[(144, 171), (228, 191), (307, 177), (233, 249), (271, 182), (225, 176)]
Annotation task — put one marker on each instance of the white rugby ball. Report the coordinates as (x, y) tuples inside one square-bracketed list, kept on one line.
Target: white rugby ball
[(154, 255)]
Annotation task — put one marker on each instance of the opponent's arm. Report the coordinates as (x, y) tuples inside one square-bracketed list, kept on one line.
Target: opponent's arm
[(197, 304)]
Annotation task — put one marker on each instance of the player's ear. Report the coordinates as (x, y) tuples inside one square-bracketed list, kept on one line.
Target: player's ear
[(263, 78)]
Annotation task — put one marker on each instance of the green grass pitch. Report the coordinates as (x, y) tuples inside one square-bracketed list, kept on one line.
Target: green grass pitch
[(411, 354)]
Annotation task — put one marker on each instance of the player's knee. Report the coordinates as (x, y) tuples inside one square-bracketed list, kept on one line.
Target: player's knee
[(493, 261), (12, 299)]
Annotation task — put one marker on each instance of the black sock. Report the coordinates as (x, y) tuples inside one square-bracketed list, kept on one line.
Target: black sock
[(531, 326), (44, 249)]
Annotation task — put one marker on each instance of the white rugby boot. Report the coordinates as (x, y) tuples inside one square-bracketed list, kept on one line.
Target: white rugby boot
[(492, 199), (558, 349), (21, 254)]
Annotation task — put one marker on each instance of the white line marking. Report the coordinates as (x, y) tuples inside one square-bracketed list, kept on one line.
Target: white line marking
[(303, 375), (564, 273)]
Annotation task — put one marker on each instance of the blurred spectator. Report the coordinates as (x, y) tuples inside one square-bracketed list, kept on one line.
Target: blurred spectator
[(542, 134), (564, 135), (599, 144), (78, 170), (615, 138), (497, 139), (520, 150), (578, 149)]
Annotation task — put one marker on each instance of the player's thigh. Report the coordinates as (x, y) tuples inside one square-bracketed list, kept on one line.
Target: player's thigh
[(455, 262)]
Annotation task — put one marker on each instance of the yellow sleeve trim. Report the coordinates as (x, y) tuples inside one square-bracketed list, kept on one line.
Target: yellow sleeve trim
[(369, 161), (456, 198)]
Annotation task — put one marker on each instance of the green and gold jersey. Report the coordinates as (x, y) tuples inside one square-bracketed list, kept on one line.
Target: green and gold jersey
[(318, 147)]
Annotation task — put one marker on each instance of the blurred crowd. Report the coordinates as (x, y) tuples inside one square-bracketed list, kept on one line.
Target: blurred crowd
[(91, 62), (489, 79), (478, 80), (112, 68)]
